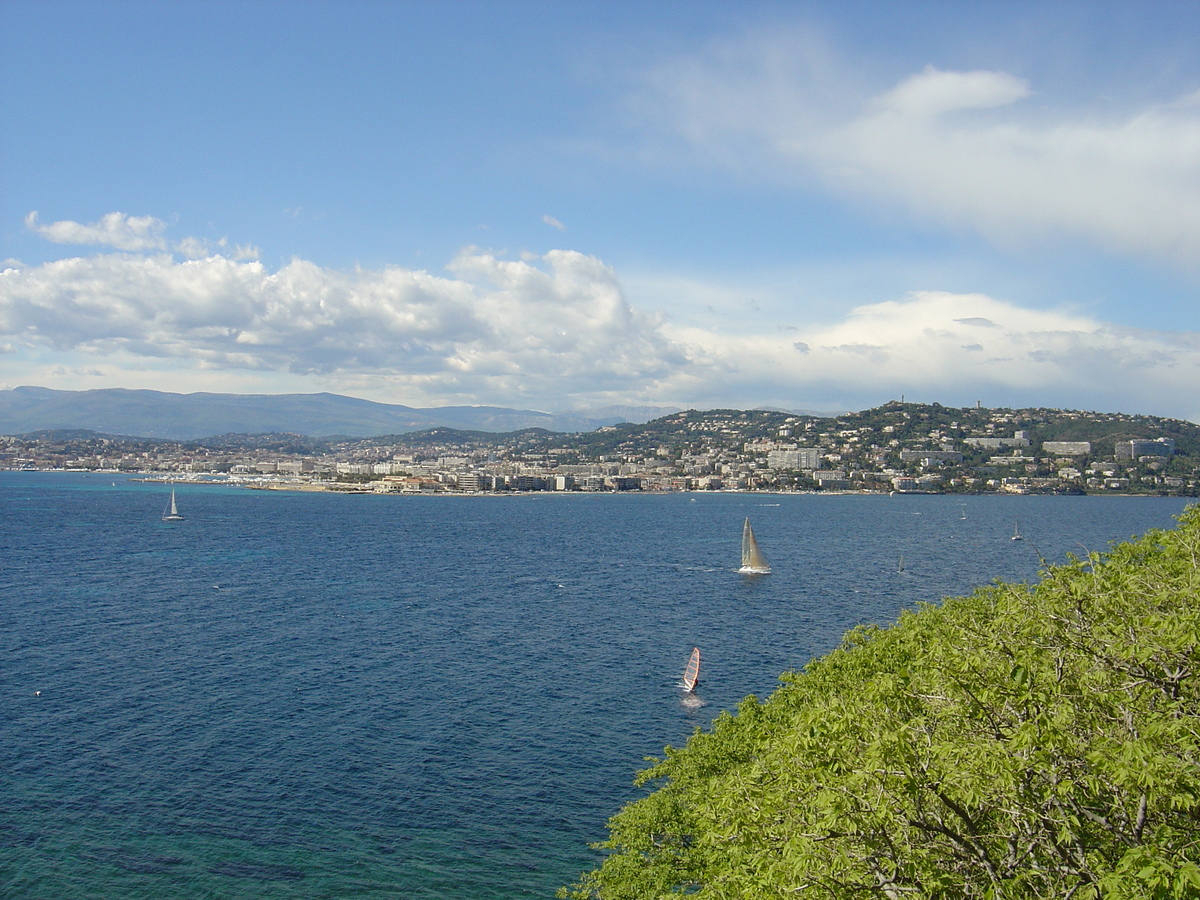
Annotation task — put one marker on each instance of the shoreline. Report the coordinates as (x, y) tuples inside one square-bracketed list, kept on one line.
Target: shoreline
[(267, 483)]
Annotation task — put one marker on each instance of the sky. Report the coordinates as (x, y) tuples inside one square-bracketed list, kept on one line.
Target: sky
[(574, 205)]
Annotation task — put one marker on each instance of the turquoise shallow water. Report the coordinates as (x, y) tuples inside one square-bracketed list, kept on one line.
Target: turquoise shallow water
[(313, 695)]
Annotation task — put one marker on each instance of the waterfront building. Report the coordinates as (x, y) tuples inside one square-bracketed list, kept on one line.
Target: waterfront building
[(469, 481), (832, 480)]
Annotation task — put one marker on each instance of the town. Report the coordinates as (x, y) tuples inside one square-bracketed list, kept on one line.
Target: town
[(898, 447)]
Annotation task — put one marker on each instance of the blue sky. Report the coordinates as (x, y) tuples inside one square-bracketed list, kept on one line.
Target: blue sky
[(571, 205)]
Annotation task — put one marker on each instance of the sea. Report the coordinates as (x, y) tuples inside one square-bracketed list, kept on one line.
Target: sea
[(320, 695)]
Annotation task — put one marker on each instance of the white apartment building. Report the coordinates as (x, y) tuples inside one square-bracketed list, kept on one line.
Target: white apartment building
[(801, 458)]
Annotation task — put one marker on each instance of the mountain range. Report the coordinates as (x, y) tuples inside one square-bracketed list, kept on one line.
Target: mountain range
[(157, 414)]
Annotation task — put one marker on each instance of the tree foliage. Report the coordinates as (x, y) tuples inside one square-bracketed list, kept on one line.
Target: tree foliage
[(1024, 741)]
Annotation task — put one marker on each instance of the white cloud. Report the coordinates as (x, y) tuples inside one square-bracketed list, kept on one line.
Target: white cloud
[(193, 248), (1130, 184), (240, 252), (135, 234), (555, 332), (197, 248), (955, 348), (975, 149), (553, 222), (116, 230), (932, 93), (497, 331)]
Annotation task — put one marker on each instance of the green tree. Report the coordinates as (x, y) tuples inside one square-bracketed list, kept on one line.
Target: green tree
[(1025, 741)]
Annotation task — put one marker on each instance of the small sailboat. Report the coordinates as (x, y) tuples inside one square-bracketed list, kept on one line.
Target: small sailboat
[(1016, 535), (171, 513), (753, 561), (691, 675), (900, 565)]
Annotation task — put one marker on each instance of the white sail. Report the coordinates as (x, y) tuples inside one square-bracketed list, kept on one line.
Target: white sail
[(753, 561), (171, 513)]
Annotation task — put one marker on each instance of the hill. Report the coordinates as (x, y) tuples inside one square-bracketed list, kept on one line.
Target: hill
[(158, 414), (895, 447)]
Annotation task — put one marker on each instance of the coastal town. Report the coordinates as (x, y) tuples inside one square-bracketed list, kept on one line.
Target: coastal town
[(898, 447)]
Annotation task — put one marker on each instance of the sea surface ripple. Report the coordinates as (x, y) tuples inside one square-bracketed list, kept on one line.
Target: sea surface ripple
[(320, 695)]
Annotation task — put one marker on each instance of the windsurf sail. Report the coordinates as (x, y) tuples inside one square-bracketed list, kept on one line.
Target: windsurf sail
[(691, 675)]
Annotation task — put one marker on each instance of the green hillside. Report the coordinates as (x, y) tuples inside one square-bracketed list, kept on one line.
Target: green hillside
[(1027, 741)]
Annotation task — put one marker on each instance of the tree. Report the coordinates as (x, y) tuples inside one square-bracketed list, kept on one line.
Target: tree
[(1025, 741)]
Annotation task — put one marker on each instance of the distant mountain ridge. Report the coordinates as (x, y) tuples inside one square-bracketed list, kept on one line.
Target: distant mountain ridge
[(158, 414)]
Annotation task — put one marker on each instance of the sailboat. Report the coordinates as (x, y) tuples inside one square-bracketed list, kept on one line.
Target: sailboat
[(753, 561), (1016, 532), (171, 513), (691, 675)]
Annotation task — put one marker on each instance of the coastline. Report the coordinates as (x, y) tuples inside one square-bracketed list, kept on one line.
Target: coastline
[(268, 483)]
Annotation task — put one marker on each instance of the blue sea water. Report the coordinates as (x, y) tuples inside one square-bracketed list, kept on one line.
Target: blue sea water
[(319, 695)]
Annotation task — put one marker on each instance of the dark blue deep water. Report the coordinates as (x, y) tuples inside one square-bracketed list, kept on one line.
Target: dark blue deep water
[(315, 695)]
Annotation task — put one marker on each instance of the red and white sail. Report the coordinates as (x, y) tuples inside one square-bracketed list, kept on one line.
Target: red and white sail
[(691, 675)]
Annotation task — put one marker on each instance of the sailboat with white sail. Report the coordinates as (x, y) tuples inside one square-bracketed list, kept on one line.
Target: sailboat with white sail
[(171, 513), (753, 560), (691, 675)]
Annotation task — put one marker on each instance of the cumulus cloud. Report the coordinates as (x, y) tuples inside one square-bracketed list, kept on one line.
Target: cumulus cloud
[(954, 348), (495, 330), (196, 248), (116, 230), (976, 149), (135, 234), (557, 331)]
